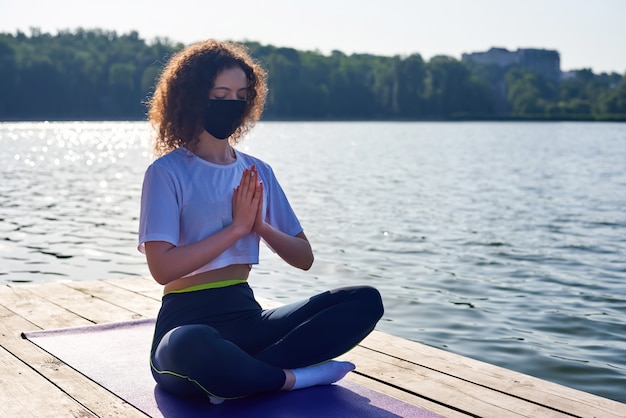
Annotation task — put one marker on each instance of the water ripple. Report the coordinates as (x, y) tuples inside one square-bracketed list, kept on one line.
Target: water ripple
[(498, 241)]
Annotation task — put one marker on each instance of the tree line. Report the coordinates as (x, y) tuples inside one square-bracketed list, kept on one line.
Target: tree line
[(100, 75)]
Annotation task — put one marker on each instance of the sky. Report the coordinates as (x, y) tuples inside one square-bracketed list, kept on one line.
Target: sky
[(586, 34)]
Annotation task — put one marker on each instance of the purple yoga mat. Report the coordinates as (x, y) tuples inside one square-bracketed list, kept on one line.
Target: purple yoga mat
[(116, 356)]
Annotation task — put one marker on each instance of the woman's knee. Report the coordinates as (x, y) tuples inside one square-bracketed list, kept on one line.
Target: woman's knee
[(372, 299), (369, 294), (367, 299)]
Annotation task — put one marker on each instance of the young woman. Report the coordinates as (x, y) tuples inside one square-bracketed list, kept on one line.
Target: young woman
[(204, 208)]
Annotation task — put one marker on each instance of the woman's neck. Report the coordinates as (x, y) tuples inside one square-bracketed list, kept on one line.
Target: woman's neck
[(214, 150)]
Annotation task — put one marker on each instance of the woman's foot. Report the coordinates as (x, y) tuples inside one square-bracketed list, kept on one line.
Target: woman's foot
[(319, 374)]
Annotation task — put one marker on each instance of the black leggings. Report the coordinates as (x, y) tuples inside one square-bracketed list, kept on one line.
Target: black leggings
[(221, 342)]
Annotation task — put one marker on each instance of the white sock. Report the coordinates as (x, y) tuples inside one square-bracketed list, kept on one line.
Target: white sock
[(321, 374)]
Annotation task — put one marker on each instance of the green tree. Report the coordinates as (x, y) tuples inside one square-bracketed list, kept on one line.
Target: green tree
[(407, 94), (453, 91), (528, 93), (8, 75), (98, 74), (614, 101)]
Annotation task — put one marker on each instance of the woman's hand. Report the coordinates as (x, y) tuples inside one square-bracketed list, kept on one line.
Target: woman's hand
[(248, 216), (247, 201), (259, 221)]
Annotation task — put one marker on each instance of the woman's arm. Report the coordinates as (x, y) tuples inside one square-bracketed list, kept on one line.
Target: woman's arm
[(168, 262), (295, 250)]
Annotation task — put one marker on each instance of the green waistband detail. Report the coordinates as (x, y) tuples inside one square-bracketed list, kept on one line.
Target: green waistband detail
[(212, 285)]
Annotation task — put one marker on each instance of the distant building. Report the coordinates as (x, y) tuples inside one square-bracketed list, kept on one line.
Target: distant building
[(544, 62), (502, 57)]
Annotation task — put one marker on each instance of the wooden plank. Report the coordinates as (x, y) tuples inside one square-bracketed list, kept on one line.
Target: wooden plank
[(405, 396), (140, 285), (497, 378), (443, 388), (23, 392), (37, 309), (142, 306), (39, 369), (93, 309)]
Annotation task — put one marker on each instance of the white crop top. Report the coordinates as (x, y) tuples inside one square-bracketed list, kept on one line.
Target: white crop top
[(185, 199)]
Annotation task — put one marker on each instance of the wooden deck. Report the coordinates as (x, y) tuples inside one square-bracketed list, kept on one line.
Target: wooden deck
[(34, 383)]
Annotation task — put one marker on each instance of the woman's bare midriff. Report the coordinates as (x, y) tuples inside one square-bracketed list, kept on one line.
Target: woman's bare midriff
[(232, 272)]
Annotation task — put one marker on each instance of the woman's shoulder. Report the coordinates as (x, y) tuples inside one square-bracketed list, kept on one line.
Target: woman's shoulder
[(173, 158)]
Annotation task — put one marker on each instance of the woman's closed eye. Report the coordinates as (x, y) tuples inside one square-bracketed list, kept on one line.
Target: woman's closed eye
[(227, 98)]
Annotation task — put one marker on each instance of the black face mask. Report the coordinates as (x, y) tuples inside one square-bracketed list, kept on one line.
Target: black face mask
[(222, 117)]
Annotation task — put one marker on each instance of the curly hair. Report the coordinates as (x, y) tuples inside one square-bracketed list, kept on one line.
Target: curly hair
[(181, 94)]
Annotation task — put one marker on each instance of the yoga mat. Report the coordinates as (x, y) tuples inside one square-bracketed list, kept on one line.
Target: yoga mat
[(116, 356)]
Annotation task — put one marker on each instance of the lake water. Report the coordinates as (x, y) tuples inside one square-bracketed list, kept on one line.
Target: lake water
[(504, 242)]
